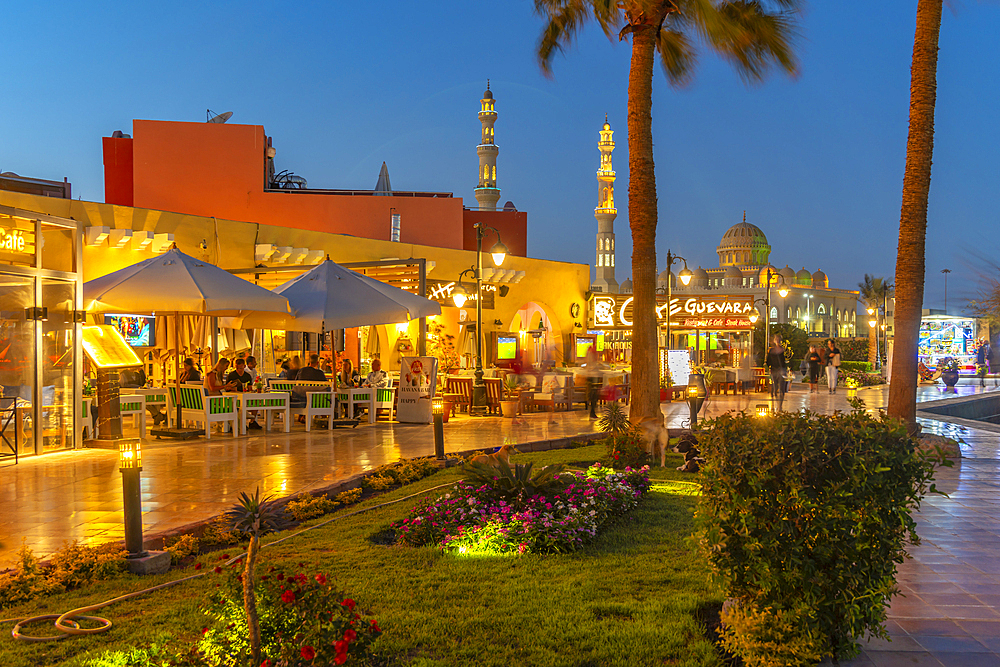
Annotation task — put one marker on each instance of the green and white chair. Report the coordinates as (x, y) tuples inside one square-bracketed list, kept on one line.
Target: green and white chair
[(87, 419), (361, 397), (196, 406), (134, 405), (320, 404)]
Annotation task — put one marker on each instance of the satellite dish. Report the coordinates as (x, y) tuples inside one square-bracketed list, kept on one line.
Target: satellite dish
[(218, 118)]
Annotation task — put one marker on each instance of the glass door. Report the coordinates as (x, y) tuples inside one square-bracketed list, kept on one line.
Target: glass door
[(17, 357), (58, 364)]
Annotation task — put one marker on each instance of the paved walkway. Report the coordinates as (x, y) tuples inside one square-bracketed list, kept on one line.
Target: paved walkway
[(949, 613)]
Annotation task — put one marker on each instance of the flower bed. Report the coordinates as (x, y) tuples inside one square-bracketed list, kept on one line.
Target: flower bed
[(476, 518)]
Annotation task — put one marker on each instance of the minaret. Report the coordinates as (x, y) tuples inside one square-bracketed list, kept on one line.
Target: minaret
[(487, 194), (605, 213)]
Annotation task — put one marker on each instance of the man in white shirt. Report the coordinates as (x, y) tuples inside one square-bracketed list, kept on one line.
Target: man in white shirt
[(378, 377)]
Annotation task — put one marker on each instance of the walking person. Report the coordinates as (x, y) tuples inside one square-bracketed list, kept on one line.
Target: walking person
[(832, 365), (812, 359), (981, 363), (990, 362), (778, 368)]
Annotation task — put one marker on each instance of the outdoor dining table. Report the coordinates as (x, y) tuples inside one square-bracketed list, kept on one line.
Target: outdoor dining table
[(351, 396), (269, 402)]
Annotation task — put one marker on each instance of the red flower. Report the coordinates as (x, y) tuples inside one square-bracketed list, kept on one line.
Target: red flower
[(288, 596), (350, 635), (340, 659), (197, 566), (308, 653), (204, 631), (616, 457), (300, 578), (266, 663), (349, 603), (321, 580), (217, 570), (279, 577), (375, 626), (341, 646), (302, 564), (224, 557)]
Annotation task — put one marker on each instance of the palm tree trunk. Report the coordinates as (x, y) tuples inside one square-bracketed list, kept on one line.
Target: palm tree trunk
[(250, 601), (645, 395), (872, 346), (913, 215)]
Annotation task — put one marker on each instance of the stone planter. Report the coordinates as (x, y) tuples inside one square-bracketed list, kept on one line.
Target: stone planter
[(950, 378), (448, 407), (509, 408)]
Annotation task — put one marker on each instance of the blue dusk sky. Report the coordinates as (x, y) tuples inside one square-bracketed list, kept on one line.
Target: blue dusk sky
[(816, 161)]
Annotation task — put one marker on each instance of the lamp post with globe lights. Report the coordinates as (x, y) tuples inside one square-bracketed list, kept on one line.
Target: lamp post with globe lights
[(685, 278), (754, 315), (499, 252)]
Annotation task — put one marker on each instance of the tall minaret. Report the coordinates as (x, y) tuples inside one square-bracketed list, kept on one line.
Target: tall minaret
[(605, 214), (487, 194)]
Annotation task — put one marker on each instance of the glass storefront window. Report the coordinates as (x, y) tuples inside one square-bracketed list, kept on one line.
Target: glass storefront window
[(58, 367), (58, 248), (17, 354)]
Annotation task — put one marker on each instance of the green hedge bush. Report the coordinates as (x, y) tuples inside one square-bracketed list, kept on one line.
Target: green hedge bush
[(856, 366), (803, 519), (853, 349)]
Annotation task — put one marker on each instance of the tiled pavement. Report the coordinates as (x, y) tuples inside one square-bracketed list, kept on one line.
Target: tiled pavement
[(949, 613)]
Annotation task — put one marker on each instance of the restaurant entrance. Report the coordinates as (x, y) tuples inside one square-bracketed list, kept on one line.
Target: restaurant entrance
[(40, 305)]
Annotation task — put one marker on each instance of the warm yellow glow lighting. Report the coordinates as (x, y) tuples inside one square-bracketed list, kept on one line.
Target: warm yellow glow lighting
[(782, 291), (692, 391), (129, 454), (106, 347), (872, 323), (871, 311), (402, 327), (437, 405), (459, 296), (754, 316), (685, 275), (763, 410), (499, 252)]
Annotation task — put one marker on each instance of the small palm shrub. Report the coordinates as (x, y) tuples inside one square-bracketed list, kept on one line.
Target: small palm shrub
[(521, 480), (625, 445)]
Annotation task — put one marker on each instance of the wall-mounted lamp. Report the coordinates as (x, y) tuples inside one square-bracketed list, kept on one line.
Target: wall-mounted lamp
[(36, 313), (498, 323)]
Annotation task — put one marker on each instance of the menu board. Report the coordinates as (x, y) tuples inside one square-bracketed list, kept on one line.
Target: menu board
[(678, 363), (106, 347), (947, 337), (417, 380)]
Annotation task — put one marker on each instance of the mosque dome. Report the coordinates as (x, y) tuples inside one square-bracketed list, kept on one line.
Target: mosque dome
[(733, 272), (803, 277), (626, 286), (487, 95), (661, 280), (743, 244), (733, 277), (699, 277), (788, 273), (820, 280)]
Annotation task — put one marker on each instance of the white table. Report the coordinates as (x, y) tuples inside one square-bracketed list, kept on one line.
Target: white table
[(156, 397), (268, 402), (351, 396)]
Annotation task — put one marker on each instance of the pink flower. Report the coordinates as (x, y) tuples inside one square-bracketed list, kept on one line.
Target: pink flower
[(308, 652), (288, 596)]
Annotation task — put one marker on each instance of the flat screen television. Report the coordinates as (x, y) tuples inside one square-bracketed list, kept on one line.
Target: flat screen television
[(506, 348), (136, 329)]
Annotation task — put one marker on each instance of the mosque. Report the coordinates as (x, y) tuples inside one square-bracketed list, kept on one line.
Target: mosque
[(741, 276)]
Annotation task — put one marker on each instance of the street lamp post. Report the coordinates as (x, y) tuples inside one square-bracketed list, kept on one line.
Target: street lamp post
[(685, 276), (499, 252), (782, 292), (885, 319)]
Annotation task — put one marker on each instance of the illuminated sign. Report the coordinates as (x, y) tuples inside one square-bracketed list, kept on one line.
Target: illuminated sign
[(12, 240), (106, 348), (441, 292), (697, 312)]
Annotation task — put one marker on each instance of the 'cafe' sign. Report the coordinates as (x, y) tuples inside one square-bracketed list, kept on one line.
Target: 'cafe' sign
[(698, 312), (12, 240)]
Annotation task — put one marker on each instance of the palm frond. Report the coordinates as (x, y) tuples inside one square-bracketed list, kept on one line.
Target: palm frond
[(253, 515), (565, 18), (677, 55), (614, 420)]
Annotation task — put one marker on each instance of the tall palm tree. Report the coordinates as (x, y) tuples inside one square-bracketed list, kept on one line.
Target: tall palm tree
[(753, 35), (871, 295), (913, 214)]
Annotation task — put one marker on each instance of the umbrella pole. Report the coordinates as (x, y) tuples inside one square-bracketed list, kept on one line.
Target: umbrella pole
[(177, 364)]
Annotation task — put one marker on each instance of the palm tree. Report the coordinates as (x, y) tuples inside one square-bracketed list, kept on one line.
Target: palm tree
[(254, 517), (913, 214), (753, 35), (871, 295)]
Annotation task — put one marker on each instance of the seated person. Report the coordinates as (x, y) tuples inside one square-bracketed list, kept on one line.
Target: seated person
[(310, 373), (239, 375), (285, 367), (294, 366), (214, 383), (132, 378), (190, 373), (378, 377), (347, 377)]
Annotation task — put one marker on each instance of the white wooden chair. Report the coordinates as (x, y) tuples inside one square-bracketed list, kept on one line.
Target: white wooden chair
[(87, 420), (134, 405), (319, 402), (196, 406)]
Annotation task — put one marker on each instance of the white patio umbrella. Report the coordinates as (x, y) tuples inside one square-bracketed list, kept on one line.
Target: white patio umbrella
[(178, 284), (330, 296)]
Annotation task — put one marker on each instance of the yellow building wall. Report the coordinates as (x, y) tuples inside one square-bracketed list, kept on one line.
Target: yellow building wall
[(554, 286)]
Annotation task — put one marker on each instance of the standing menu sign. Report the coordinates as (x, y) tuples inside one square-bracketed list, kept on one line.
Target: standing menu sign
[(417, 381)]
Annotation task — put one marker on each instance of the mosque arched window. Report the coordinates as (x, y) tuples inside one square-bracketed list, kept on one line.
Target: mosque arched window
[(612, 261), (486, 173), (774, 312), (606, 263), (612, 244), (600, 259), (821, 310), (494, 174)]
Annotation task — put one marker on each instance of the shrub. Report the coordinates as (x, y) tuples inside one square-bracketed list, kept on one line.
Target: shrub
[(800, 511), (219, 532), (770, 637), (514, 482), (854, 379), (76, 565), (853, 349), (27, 582), (626, 451), (855, 366), (349, 497), (304, 620), (377, 482), (182, 547), (307, 506)]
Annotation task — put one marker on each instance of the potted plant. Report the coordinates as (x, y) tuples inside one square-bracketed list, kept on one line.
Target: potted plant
[(511, 396), (949, 371)]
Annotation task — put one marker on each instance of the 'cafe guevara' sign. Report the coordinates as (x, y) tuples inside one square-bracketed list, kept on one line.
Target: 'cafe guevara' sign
[(697, 312)]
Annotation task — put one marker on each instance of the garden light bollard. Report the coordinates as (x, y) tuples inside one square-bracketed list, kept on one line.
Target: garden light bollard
[(437, 409), (696, 393), (130, 465)]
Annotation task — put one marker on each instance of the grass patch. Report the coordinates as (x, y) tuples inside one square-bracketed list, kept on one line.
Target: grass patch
[(632, 597)]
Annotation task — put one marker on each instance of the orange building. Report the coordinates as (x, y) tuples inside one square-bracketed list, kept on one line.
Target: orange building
[(227, 171)]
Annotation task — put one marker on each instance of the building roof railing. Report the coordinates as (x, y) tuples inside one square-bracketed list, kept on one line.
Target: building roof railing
[(360, 193)]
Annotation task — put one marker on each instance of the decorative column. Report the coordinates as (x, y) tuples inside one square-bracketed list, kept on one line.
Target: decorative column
[(604, 280)]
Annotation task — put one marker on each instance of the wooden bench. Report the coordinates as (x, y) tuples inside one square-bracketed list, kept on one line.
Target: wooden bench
[(461, 387)]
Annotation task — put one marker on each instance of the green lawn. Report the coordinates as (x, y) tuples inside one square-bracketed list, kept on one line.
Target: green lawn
[(632, 597)]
